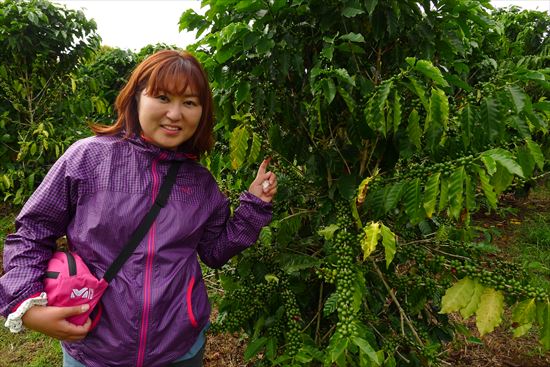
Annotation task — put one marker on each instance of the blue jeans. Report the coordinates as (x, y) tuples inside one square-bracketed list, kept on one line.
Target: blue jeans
[(69, 361), (196, 361)]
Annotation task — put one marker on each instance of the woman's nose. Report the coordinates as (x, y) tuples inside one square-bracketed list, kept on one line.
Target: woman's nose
[(174, 111)]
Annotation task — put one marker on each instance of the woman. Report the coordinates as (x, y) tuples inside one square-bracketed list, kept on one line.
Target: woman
[(156, 308)]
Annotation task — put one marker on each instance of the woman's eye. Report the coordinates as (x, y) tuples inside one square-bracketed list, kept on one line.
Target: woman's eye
[(162, 98), (190, 102)]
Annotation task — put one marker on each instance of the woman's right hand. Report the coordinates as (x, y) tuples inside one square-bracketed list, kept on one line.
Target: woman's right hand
[(52, 321)]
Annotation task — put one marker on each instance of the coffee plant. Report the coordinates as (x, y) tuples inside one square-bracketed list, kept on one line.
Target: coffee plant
[(390, 123), (41, 44)]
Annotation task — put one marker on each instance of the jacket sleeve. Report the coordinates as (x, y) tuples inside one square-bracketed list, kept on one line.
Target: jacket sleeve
[(225, 236), (42, 220)]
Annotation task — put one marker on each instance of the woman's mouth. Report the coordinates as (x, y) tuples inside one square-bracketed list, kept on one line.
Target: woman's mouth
[(171, 129)]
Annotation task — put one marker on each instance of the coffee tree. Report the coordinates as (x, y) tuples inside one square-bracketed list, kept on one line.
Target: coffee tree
[(390, 123), (40, 45)]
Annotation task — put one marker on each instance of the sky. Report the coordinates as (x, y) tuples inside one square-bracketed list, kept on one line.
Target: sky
[(132, 24)]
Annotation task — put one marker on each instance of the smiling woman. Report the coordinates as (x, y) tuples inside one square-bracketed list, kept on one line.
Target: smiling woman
[(168, 101), (135, 24)]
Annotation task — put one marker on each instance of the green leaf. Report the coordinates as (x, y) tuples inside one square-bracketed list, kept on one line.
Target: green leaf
[(525, 312), (389, 242), (438, 116), (522, 330), (536, 153), (329, 89), (502, 179), (506, 159), (490, 119), (353, 37), (343, 75), (247, 5), (371, 5), (337, 347), (302, 357), (490, 310), (347, 186), (413, 129), (328, 52), (328, 232), (392, 195), (473, 302), (264, 45), (367, 349), (458, 296), (369, 241), (375, 111), (253, 347), (331, 304), (456, 192), (490, 164), (293, 263), (525, 160), (412, 201), (430, 194), (467, 125), (225, 53), (396, 111), (350, 12), (255, 147), (420, 92), (271, 348), (430, 71), (238, 145), (350, 102), (243, 93), (518, 97), (363, 188), (439, 108)]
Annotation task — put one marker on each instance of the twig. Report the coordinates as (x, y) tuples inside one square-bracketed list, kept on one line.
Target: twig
[(328, 333), (318, 326), (401, 311)]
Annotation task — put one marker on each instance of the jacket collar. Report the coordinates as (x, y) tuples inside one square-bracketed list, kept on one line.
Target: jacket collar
[(142, 144)]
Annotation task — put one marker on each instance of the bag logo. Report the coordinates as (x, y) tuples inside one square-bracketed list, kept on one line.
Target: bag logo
[(85, 292)]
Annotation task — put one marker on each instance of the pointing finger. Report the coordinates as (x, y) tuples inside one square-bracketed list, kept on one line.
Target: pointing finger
[(263, 167)]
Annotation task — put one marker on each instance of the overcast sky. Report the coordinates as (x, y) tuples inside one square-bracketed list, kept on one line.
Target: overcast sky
[(132, 24)]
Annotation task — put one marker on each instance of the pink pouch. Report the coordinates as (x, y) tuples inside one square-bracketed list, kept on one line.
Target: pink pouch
[(69, 282)]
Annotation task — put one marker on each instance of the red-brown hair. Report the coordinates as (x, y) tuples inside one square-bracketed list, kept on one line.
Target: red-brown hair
[(168, 71)]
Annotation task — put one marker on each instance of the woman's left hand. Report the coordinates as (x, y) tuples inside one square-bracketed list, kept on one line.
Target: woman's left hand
[(264, 185)]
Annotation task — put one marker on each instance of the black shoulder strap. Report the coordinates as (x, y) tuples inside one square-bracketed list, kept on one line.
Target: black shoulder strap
[(146, 222)]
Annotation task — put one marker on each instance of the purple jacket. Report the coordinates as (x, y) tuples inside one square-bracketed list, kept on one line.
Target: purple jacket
[(96, 194)]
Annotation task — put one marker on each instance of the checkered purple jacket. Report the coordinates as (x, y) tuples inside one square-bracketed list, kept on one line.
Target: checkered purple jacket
[(96, 194)]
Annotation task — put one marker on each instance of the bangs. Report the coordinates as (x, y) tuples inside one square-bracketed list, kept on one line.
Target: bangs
[(175, 78)]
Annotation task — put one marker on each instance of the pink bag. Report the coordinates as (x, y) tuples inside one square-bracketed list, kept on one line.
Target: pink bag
[(69, 282)]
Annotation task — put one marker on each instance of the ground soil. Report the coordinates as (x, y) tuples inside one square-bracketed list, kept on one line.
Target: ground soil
[(500, 348)]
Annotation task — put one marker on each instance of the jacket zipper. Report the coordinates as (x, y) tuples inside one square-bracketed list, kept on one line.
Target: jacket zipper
[(148, 271)]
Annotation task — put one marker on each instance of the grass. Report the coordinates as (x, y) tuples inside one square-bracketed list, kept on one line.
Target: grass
[(28, 349), (532, 248), (7, 219)]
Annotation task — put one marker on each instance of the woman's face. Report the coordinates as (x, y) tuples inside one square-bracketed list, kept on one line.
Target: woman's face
[(167, 120)]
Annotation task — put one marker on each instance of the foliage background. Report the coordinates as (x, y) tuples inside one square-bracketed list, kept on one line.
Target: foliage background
[(391, 123)]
